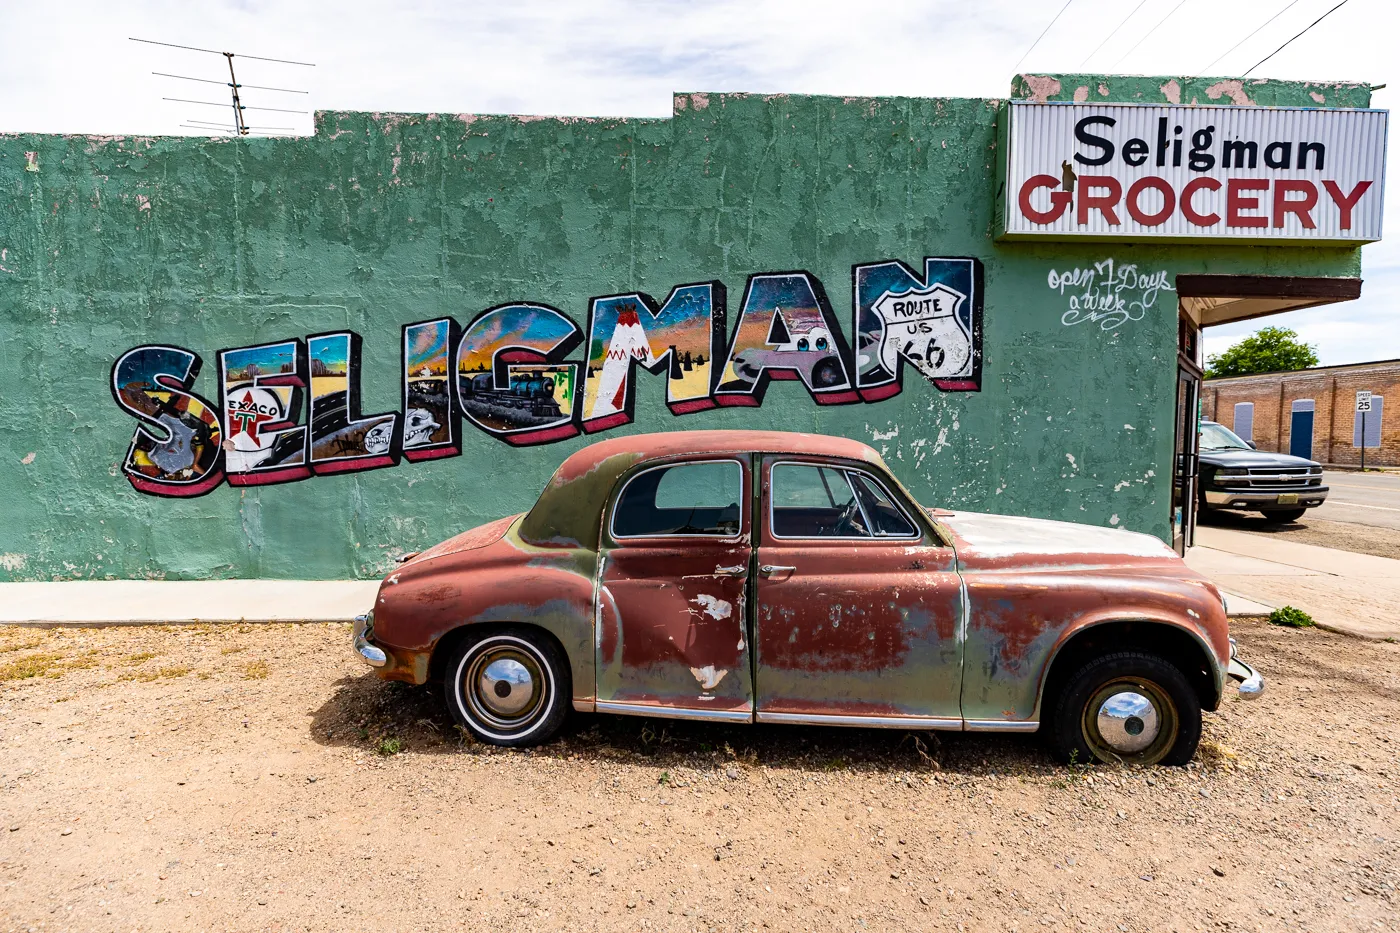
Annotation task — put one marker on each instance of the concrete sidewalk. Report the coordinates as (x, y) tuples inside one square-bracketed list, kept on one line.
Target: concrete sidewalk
[(1355, 594), (141, 602)]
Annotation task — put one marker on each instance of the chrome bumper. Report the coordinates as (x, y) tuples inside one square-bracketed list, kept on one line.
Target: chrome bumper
[(370, 653), (1251, 681), (1306, 497)]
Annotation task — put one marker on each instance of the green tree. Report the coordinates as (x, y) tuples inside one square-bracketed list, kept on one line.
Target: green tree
[(1268, 350)]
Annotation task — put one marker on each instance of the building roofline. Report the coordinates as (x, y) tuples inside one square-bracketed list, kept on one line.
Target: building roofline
[(1309, 371)]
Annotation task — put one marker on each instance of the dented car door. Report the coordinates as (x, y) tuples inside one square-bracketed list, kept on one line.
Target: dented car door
[(859, 604), (671, 607)]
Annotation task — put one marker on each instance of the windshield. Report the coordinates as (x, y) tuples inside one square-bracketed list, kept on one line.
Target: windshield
[(1219, 437)]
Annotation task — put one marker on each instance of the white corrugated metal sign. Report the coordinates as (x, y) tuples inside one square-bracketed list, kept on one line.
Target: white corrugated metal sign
[(1242, 173)]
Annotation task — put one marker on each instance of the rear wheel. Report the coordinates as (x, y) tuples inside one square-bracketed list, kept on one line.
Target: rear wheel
[(1282, 516), (509, 686), (1128, 708)]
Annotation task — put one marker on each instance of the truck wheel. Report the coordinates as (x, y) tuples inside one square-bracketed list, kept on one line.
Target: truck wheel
[(1283, 516), (509, 686), (1129, 708)]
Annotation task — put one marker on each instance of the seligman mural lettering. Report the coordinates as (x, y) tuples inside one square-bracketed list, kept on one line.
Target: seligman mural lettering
[(526, 373)]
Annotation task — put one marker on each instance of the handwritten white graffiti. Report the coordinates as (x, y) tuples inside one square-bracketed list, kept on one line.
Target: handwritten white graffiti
[(1108, 293)]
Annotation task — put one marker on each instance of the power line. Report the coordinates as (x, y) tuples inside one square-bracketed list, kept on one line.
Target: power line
[(192, 48), (1042, 34), (1113, 33), (1150, 32), (1290, 41), (1247, 38)]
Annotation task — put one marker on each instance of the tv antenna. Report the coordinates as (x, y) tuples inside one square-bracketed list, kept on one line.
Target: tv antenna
[(240, 125)]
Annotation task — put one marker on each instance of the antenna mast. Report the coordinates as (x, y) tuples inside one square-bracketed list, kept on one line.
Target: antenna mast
[(238, 123)]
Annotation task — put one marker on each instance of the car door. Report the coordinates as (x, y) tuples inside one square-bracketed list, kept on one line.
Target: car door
[(859, 604), (671, 598)]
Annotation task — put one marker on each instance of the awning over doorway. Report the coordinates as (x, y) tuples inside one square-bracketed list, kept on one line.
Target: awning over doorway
[(1219, 299)]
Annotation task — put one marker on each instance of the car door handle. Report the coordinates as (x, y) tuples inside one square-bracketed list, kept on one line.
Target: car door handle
[(769, 569), (738, 570)]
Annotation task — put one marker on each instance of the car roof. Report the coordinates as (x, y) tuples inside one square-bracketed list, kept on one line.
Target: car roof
[(568, 512), (673, 443)]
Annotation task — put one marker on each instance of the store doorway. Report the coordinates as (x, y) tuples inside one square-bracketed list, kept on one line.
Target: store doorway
[(1209, 300)]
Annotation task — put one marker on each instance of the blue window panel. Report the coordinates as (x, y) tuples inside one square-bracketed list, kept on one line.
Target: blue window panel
[(1373, 423), (1244, 420)]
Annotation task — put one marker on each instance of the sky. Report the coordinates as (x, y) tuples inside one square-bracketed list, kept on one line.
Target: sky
[(67, 66)]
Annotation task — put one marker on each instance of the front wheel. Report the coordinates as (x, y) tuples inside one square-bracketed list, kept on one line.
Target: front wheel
[(1128, 708), (509, 686)]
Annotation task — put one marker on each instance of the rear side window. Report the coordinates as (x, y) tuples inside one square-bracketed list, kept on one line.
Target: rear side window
[(684, 499)]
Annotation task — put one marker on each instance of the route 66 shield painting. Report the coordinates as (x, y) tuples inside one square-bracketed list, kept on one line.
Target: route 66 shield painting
[(923, 326)]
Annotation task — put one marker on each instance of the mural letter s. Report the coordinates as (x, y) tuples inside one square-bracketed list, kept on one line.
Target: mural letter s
[(176, 450)]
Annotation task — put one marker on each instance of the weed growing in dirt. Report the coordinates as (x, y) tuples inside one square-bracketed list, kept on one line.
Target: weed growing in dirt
[(389, 745), (157, 674), (233, 649), (20, 645), (33, 665), (256, 670), (1291, 617), (1217, 755), (139, 658)]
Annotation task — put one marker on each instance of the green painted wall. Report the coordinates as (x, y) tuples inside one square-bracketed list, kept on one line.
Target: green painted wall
[(385, 219)]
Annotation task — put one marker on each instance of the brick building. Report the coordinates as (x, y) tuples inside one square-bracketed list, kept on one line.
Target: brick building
[(1312, 412)]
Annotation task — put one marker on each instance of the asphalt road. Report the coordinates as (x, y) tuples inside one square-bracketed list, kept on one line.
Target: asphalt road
[(1361, 498)]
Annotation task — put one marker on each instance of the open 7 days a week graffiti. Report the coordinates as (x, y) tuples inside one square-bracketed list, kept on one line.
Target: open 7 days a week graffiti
[(508, 374)]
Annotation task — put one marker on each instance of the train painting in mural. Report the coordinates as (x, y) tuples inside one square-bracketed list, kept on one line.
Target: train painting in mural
[(508, 374)]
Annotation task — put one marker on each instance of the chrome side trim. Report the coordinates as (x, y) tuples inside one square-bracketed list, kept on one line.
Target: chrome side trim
[(584, 706), (1001, 725), (673, 712), (866, 722)]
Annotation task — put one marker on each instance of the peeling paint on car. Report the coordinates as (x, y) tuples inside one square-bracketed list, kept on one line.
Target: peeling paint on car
[(958, 625)]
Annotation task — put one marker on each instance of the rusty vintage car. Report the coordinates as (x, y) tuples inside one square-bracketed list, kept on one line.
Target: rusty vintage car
[(743, 576)]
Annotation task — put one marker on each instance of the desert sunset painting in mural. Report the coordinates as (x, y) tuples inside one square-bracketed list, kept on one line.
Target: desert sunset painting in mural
[(675, 340)]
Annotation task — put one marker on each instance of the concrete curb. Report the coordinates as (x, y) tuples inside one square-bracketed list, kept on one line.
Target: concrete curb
[(98, 603)]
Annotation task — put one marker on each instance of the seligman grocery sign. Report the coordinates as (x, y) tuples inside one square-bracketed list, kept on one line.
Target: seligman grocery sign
[(1139, 171)]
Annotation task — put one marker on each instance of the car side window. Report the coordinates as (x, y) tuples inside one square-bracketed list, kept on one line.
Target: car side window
[(886, 519), (811, 501), (684, 499)]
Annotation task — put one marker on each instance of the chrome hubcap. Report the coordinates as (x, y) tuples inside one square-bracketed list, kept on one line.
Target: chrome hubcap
[(1128, 722), (504, 686)]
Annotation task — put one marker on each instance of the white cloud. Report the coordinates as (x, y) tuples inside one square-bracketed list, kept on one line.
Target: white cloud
[(68, 67)]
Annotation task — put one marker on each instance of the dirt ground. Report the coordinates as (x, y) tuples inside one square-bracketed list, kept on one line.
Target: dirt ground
[(260, 778), (1345, 536)]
